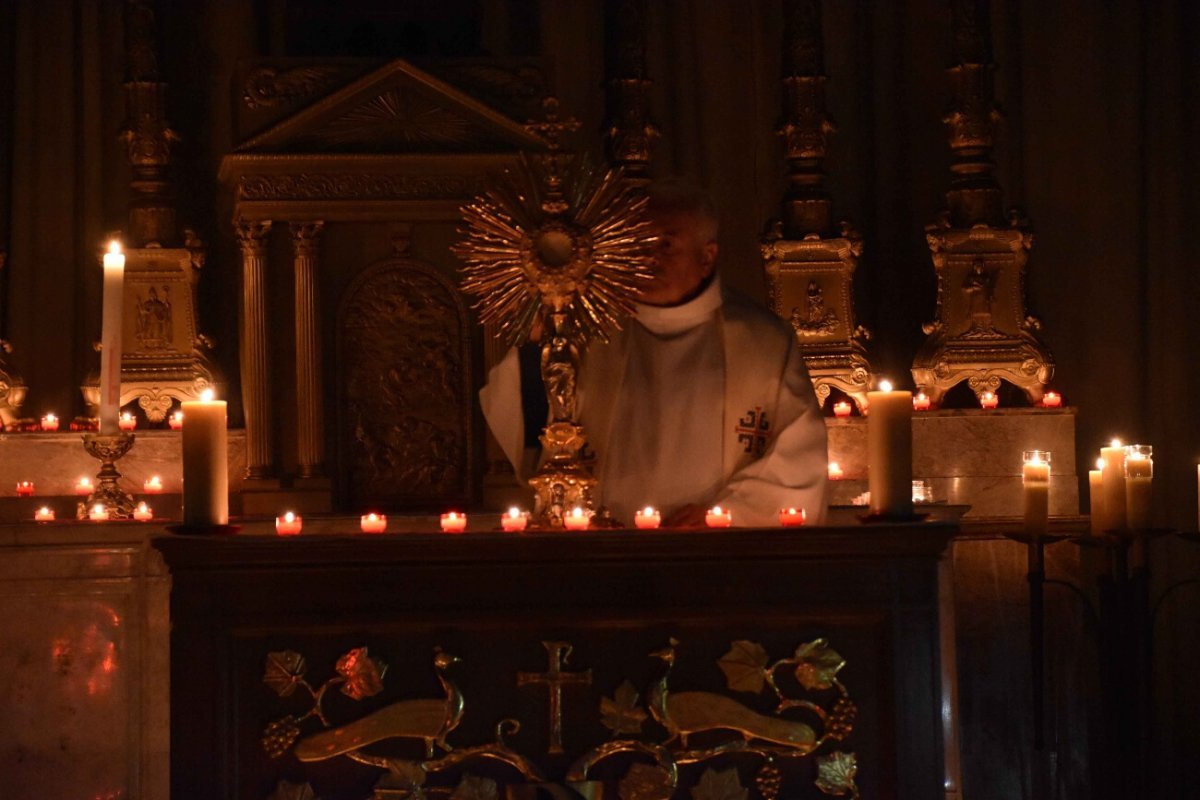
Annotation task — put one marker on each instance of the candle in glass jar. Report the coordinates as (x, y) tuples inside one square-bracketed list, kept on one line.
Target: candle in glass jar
[(988, 400), (44, 514), (143, 512), (454, 522), (152, 485), (289, 524), (127, 422), (647, 518), (175, 421), (1035, 480), (841, 409), (514, 520), (576, 520), (24, 488), (83, 487), (1113, 504), (921, 402), (792, 517), (889, 450), (98, 513), (1139, 477), (1096, 493), (718, 517), (373, 523), (1052, 400), (205, 462), (835, 471), (49, 422), (110, 338)]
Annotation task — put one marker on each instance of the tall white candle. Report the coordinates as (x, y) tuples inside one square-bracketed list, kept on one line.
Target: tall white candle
[(1139, 474), (1096, 492), (1114, 486), (205, 462), (889, 450), (110, 338), (1035, 480)]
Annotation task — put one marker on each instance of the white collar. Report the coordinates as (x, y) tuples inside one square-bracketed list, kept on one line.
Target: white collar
[(668, 320)]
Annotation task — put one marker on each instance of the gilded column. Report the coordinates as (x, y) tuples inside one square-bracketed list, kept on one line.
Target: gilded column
[(253, 352), (310, 417)]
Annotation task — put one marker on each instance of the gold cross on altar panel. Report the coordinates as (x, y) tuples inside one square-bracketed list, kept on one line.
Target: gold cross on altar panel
[(555, 679)]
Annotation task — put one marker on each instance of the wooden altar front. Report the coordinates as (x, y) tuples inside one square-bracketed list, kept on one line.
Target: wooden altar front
[(609, 664)]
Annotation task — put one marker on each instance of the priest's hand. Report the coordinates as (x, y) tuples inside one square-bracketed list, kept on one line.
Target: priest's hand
[(691, 516)]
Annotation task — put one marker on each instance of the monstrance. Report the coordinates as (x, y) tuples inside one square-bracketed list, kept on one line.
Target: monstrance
[(557, 247)]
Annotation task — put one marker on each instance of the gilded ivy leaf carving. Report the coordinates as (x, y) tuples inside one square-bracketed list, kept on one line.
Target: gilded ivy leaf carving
[(836, 772), (722, 785), (284, 671), (621, 713), (363, 674), (818, 665), (743, 666), (473, 787), (645, 782)]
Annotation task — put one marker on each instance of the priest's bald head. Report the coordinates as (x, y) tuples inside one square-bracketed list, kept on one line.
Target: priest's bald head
[(684, 219)]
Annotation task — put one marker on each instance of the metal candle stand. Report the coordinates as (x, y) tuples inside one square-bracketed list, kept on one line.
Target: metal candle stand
[(108, 449)]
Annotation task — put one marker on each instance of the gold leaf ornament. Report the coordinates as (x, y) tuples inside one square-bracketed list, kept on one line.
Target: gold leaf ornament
[(284, 671), (743, 666), (363, 675), (836, 773), (719, 785), (621, 713), (818, 665)]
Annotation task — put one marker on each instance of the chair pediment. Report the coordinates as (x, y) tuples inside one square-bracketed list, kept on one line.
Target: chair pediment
[(397, 108)]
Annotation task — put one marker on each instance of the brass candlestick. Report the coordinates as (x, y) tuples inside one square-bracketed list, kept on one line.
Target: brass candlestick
[(557, 246), (108, 449)]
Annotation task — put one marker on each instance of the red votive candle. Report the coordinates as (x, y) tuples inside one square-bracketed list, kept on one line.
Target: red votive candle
[(175, 421), (841, 409), (577, 520), (647, 518), (792, 517), (1052, 400), (373, 523), (718, 517), (84, 487), (98, 513), (921, 402), (989, 400), (143, 513), (44, 514), (289, 524), (514, 520), (24, 488), (153, 485), (454, 522), (49, 423), (835, 471), (127, 422)]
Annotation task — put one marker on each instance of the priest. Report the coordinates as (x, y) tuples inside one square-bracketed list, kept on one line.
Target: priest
[(703, 399)]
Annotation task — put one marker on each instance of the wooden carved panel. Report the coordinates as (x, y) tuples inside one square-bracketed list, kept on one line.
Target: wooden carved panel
[(405, 404)]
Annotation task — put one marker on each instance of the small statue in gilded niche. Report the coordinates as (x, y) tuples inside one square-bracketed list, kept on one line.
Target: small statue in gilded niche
[(154, 320), (817, 319), (980, 288), (558, 367)]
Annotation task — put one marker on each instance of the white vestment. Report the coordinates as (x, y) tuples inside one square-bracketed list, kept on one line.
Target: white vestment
[(708, 402)]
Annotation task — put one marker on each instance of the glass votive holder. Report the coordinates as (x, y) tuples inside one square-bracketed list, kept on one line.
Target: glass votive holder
[(290, 524), (454, 522), (1139, 461), (127, 421), (44, 514), (922, 492), (175, 421), (1139, 475), (792, 517), (514, 520), (577, 519), (83, 487), (49, 423), (98, 513), (152, 485), (718, 517), (24, 488), (372, 523), (143, 512), (989, 400), (647, 518)]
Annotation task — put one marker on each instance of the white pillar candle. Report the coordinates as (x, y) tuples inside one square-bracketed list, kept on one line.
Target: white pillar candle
[(205, 462), (1114, 486), (1139, 475), (889, 450), (1096, 493), (110, 339), (1035, 480)]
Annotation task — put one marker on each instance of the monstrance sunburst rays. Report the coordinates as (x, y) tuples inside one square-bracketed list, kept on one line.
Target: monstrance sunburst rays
[(538, 243), (559, 243)]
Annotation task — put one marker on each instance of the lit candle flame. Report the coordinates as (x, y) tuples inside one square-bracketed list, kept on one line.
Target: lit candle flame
[(648, 511), (289, 517), (207, 395), (98, 508), (1115, 443), (114, 247), (576, 512), (1036, 458), (142, 507), (717, 510), (373, 517), (1100, 464), (885, 385), (514, 513)]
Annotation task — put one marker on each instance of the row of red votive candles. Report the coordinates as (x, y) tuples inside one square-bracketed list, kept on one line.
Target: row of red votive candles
[(126, 422), (152, 485), (516, 520), (97, 513), (921, 402)]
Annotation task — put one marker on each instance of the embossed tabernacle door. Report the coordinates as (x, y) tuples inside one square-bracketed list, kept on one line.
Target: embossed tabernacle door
[(404, 402)]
